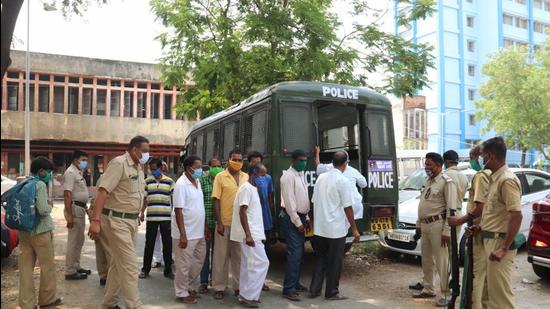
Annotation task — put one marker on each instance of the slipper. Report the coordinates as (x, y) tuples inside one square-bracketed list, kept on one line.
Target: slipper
[(219, 295), (203, 289), (292, 296), (337, 297), (56, 302), (424, 295), (194, 294), (190, 300), (248, 303)]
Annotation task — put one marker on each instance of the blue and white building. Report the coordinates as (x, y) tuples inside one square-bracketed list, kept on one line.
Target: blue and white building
[(464, 33)]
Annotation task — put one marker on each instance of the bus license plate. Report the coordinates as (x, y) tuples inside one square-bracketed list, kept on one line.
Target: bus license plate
[(377, 224), (399, 237)]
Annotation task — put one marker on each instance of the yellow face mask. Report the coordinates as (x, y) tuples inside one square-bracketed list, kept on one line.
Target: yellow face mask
[(235, 165)]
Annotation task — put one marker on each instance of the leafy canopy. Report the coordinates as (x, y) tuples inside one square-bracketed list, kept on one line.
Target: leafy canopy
[(231, 49), (516, 97)]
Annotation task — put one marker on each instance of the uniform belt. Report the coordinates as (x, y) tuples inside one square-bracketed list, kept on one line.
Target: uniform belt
[(80, 204), (433, 218), (492, 235), (118, 214)]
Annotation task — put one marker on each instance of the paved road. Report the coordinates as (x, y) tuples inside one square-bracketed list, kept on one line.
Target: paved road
[(380, 285)]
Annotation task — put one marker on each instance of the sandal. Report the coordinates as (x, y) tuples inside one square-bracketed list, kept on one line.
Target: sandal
[(203, 289), (56, 302), (219, 295), (194, 294), (337, 297), (292, 296), (190, 300)]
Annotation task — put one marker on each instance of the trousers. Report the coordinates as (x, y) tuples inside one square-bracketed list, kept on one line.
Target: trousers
[(329, 256), (225, 252), (75, 240), (189, 262)]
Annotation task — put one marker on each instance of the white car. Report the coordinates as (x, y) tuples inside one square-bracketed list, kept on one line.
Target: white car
[(535, 185), (7, 183)]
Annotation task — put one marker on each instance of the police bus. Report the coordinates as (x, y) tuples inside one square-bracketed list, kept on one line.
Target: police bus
[(301, 115)]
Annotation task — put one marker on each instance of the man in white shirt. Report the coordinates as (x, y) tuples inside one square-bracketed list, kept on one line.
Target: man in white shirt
[(188, 230), (295, 204), (332, 216), (247, 228), (355, 179)]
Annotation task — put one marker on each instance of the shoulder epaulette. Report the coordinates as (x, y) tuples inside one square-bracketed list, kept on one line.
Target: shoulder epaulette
[(447, 178)]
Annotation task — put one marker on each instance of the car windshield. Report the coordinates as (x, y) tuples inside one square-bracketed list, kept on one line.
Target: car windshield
[(414, 181)]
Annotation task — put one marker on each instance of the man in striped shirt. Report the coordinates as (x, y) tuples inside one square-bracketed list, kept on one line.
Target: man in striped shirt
[(158, 202)]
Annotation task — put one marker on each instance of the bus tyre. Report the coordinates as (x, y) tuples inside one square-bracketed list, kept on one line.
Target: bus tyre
[(347, 247)]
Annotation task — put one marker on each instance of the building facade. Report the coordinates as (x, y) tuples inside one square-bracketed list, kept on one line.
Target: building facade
[(465, 33), (93, 105)]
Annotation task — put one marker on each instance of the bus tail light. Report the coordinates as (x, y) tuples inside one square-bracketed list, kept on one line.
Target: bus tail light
[(380, 212)]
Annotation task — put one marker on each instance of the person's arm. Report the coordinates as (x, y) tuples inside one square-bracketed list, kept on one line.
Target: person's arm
[(216, 194), (511, 194), (480, 184), (450, 204), (68, 187), (349, 215), (42, 205), (244, 223), (271, 196), (317, 158), (287, 194), (181, 228), (360, 180)]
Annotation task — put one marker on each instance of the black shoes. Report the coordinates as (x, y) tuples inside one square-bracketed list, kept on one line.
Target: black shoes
[(102, 282), (417, 286), (143, 275), (84, 271), (76, 276), (169, 276)]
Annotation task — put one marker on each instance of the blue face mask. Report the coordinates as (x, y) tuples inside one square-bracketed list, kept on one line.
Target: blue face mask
[(156, 173), (197, 173), (82, 165)]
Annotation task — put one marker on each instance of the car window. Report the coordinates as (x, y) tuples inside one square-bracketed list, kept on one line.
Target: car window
[(537, 182), (414, 181)]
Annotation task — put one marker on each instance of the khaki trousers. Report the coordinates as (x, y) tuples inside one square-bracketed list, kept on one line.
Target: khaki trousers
[(225, 251), (189, 263), (433, 254), (498, 276), (480, 299), (101, 259), (75, 240), (120, 235), (32, 248)]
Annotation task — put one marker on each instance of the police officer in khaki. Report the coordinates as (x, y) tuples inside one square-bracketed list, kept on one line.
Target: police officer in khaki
[(450, 158), (76, 202), (479, 191), (500, 223), (437, 198), (101, 254), (115, 221)]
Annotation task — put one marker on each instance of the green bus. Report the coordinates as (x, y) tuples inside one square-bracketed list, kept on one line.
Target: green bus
[(301, 115)]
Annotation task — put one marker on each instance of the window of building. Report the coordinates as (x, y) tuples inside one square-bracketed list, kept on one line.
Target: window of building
[(43, 98), (44, 77), (59, 78), (102, 82), (521, 22), (470, 21), (168, 107), (508, 43), (115, 103), (471, 70), (155, 86), (31, 97), (115, 83), (155, 105), (547, 5), (141, 98), (58, 99), (87, 101), (88, 81), (508, 19), (73, 100), (469, 1), (537, 4), (101, 102), (471, 94), (472, 119), (521, 1), (128, 104), (538, 27), (74, 80), (472, 142), (13, 95), (471, 46)]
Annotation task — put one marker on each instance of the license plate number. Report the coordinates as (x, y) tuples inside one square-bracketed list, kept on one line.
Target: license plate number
[(399, 237), (378, 224)]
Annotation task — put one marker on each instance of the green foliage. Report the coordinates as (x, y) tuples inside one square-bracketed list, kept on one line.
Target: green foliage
[(516, 98), (233, 48)]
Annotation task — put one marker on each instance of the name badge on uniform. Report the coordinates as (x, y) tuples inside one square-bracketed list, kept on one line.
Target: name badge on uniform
[(427, 194)]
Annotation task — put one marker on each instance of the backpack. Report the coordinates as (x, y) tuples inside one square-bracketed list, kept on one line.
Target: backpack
[(20, 205)]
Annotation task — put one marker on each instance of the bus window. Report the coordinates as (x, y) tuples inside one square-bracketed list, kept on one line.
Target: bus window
[(193, 145), (231, 136), (199, 151), (297, 126), (212, 144), (255, 132), (379, 133)]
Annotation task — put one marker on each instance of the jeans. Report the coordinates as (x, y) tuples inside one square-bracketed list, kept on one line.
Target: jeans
[(294, 253), (206, 268), (150, 238), (329, 256)]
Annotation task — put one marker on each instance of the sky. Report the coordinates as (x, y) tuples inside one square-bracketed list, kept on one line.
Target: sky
[(120, 30)]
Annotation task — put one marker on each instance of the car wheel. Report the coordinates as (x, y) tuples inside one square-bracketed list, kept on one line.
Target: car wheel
[(462, 251), (542, 272)]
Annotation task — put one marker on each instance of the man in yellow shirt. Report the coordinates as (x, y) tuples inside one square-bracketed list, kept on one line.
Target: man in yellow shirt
[(224, 191)]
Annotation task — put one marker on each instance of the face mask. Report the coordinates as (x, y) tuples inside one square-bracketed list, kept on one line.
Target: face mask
[(300, 166), (485, 162), (156, 173), (82, 165), (144, 158), (429, 173), (197, 173), (46, 179), (475, 165), (215, 171), (235, 165)]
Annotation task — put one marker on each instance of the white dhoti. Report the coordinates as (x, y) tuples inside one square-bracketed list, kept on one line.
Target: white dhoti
[(157, 254), (254, 266), (188, 264)]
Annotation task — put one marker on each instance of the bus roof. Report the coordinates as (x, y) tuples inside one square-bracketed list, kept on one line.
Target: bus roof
[(327, 91)]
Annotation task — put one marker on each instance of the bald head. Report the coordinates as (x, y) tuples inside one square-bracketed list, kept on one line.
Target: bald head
[(340, 159)]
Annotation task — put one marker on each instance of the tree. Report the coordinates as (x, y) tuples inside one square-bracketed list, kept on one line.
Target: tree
[(233, 48), (10, 13), (516, 98)]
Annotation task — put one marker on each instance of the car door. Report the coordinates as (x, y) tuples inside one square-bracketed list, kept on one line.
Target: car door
[(535, 186)]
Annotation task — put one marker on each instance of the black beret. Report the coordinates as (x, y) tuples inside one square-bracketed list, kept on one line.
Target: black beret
[(434, 156), (450, 155)]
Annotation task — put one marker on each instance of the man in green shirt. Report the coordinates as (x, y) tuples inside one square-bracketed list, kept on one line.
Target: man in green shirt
[(206, 184), (38, 245)]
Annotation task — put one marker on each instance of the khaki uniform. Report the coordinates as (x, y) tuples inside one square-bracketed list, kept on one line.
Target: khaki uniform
[(479, 192), (75, 183), (461, 182), (436, 199), (124, 182), (101, 254), (504, 197)]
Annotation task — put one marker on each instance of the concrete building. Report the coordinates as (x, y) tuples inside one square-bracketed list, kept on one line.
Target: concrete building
[(94, 105), (464, 33)]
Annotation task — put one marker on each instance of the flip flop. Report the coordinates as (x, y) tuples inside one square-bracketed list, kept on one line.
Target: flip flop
[(219, 295), (337, 297), (56, 302), (190, 300)]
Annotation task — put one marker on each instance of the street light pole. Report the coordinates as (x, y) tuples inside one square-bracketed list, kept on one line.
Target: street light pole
[(27, 99)]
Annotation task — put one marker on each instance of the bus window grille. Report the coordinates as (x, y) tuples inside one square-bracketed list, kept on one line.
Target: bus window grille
[(258, 132)]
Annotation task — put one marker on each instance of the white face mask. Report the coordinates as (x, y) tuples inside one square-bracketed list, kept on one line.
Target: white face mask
[(144, 158)]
